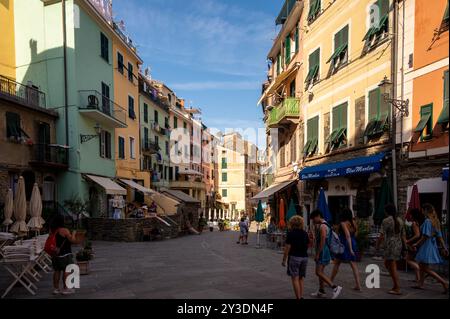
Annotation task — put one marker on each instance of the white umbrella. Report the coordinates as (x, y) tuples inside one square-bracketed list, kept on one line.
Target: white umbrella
[(36, 221), (9, 208), (20, 209)]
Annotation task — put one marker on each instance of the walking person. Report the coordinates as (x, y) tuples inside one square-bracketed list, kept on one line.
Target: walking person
[(347, 232), (323, 255), (63, 258), (243, 232), (296, 254), (428, 251), (417, 218), (393, 237)]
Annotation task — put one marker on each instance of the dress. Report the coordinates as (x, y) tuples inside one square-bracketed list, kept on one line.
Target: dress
[(392, 241), (428, 252), (346, 256)]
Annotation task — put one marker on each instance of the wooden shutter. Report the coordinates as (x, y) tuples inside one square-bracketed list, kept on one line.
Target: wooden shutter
[(297, 39), (374, 104), (102, 144), (145, 113), (288, 49), (13, 125)]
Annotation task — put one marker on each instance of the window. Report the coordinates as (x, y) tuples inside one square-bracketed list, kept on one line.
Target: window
[(379, 23), (166, 122), (224, 177), (13, 125), (425, 126), (157, 141), (131, 113), (443, 117), (106, 104), (224, 193), (287, 53), (145, 112), (292, 89), (105, 144), (121, 147), (297, 39), (378, 114), (338, 136), (185, 125), (132, 148), (175, 123), (340, 55), (104, 47), (312, 135), (130, 72), (156, 116), (314, 10), (314, 68), (224, 163), (146, 136), (119, 62)]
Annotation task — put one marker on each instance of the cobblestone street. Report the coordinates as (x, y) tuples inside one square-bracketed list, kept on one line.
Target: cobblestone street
[(210, 266)]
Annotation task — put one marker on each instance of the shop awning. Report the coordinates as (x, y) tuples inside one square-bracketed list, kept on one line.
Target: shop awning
[(356, 166), (270, 191), (136, 186), (110, 187), (445, 174), (190, 172), (278, 81)]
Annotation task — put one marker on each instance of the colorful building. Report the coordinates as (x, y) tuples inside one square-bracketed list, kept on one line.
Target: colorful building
[(7, 53)]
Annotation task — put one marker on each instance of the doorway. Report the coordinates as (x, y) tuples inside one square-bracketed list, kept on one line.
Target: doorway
[(337, 204)]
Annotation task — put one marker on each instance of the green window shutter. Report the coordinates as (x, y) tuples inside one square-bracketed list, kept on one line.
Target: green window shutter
[(278, 64), (314, 8), (444, 116), (426, 119), (446, 14), (287, 53), (13, 125), (122, 147), (145, 112), (224, 193), (297, 39), (340, 44), (374, 104), (224, 163), (224, 177), (314, 66), (312, 132)]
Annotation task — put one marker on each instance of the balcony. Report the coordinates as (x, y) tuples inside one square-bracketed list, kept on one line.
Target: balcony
[(50, 156), (287, 112), (285, 11), (149, 147), (21, 94), (102, 109)]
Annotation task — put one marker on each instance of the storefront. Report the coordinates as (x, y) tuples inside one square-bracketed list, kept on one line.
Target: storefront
[(353, 184)]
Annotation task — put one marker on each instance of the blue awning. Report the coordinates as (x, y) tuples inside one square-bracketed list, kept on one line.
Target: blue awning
[(445, 174), (356, 166)]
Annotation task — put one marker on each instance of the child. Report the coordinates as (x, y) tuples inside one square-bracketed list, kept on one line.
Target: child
[(243, 234)]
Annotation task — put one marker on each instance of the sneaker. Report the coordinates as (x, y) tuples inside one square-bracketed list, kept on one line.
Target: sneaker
[(336, 292), (319, 294), (66, 292), (56, 292)]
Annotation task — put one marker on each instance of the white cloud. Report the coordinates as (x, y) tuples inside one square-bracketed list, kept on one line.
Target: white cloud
[(216, 85)]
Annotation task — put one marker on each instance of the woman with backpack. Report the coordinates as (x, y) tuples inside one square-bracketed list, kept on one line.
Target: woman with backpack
[(428, 252), (393, 237), (347, 231), (61, 253)]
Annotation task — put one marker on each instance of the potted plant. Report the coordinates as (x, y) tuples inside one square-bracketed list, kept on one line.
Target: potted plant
[(84, 256), (362, 237), (77, 209)]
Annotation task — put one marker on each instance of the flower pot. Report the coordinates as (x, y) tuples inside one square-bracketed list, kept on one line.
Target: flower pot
[(84, 267)]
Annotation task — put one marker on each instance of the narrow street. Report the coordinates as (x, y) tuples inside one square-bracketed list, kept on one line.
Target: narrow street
[(210, 266)]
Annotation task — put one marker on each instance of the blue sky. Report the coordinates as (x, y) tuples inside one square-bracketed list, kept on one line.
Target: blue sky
[(212, 53)]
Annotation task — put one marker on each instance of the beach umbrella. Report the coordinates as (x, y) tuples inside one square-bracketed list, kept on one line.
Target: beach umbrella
[(414, 202), (36, 221), (20, 209), (282, 214), (385, 197), (9, 208), (323, 206), (291, 210)]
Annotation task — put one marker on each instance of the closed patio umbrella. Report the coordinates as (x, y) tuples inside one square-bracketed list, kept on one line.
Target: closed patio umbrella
[(323, 206), (282, 214), (9, 208), (36, 221), (414, 202), (291, 210), (20, 209), (384, 198)]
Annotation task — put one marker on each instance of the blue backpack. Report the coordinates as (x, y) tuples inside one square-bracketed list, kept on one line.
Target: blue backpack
[(334, 243)]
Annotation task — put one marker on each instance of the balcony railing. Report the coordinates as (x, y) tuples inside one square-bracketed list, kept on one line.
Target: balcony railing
[(50, 155), (22, 94), (150, 147), (289, 109), (95, 101)]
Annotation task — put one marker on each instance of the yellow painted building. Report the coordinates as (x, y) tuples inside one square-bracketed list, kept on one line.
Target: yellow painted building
[(7, 51), (126, 64)]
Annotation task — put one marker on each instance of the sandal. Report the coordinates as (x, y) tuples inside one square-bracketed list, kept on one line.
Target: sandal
[(418, 287), (393, 292)]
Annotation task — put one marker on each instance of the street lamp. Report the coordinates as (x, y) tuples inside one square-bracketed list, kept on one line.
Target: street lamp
[(87, 138), (401, 105)]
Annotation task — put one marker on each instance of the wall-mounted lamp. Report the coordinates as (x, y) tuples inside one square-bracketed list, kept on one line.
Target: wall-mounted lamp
[(87, 138), (400, 105)]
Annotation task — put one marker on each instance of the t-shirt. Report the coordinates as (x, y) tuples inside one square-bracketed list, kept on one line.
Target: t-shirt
[(299, 240)]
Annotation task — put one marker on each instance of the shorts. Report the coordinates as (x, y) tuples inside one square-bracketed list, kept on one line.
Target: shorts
[(297, 266), (61, 263), (244, 233)]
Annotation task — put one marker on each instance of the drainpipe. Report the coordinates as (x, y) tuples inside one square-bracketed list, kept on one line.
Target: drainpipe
[(394, 95), (66, 102), (402, 77)]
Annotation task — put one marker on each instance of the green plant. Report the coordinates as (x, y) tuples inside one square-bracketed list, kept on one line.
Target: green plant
[(362, 237), (84, 255), (77, 208)]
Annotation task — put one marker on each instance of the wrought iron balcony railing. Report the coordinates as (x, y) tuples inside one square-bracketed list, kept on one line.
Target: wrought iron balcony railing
[(95, 101), (288, 109), (20, 93), (50, 155)]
